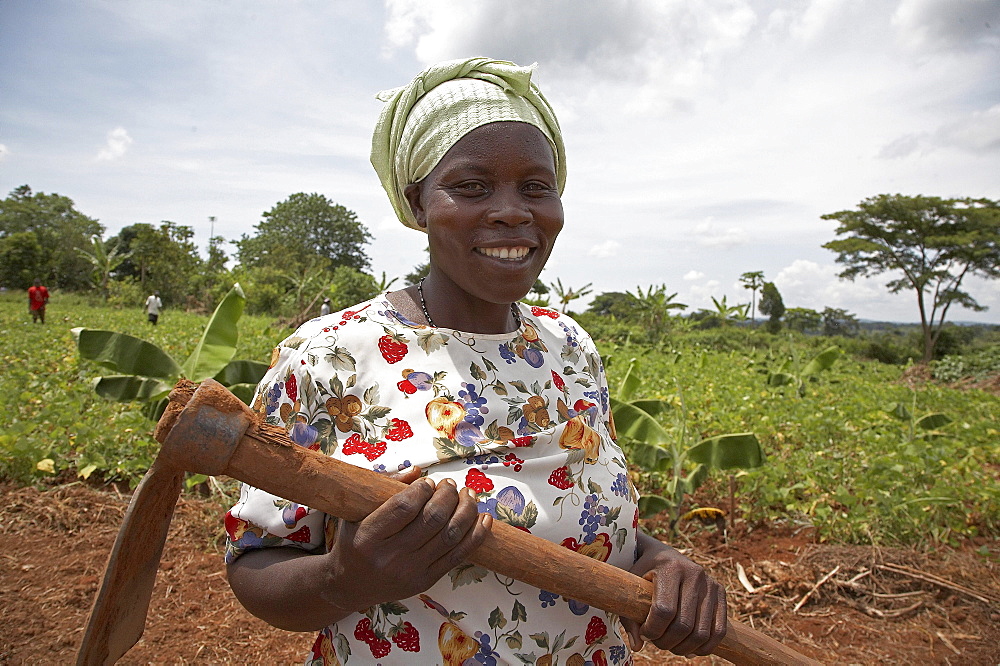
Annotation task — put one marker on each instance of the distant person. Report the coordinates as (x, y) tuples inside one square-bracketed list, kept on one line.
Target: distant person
[(326, 308), (38, 296), (153, 305)]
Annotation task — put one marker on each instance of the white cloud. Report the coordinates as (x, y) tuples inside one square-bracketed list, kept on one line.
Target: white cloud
[(4, 152), (977, 133), (117, 143), (711, 235), (608, 248), (667, 48), (692, 275)]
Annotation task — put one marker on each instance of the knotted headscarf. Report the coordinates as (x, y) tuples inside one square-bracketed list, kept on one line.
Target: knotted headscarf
[(446, 101)]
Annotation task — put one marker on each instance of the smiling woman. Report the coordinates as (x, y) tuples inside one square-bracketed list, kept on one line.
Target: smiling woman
[(489, 409)]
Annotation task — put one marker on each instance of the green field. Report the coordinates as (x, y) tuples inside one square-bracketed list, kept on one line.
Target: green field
[(835, 457)]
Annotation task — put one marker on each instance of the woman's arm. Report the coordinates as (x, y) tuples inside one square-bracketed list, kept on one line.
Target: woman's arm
[(398, 551), (688, 613)]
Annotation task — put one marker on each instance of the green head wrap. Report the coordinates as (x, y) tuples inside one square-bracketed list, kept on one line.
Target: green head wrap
[(446, 101)]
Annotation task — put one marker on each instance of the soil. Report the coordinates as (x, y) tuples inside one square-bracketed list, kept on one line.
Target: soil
[(837, 604)]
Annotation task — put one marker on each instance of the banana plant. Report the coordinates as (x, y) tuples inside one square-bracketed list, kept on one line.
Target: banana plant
[(147, 373), (673, 452), (925, 427), (786, 375)]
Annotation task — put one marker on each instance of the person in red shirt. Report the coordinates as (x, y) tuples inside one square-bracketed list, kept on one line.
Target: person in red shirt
[(38, 296)]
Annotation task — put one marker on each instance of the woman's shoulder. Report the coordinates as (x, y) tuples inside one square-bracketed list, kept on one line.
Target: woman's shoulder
[(550, 319), (355, 322)]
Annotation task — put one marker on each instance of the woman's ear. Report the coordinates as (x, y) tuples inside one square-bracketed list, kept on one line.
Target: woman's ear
[(412, 193)]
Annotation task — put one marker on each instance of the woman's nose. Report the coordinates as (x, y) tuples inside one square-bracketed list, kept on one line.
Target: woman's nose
[(510, 208)]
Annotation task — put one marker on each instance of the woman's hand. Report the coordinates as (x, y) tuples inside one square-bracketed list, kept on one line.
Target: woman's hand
[(688, 613), (399, 550), (405, 545)]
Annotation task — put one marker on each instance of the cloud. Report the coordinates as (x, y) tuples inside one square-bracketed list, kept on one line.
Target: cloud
[(710, 235), (608, 248), (690, 276), (945, 25), (977, 133), (4, 152), (118, 143), (663, 46)]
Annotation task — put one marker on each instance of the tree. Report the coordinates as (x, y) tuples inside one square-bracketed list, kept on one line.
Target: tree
[(654, 306), (163, 258), (567, 294), (839, 322), (802, 319), (58, 229), (105, 258), (753, 281), (305, 226), (772, 305), (928, 244), (617, 304)]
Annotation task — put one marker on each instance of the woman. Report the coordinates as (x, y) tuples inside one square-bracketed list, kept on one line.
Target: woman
[(489, 409)]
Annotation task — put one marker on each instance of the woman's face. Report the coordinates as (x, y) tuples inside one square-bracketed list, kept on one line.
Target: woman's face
[(492, 211)]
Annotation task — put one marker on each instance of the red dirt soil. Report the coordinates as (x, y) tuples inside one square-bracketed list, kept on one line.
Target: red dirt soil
[(888, 606)]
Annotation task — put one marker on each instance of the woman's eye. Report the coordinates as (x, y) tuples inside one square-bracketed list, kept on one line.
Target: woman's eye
[(471, 187)]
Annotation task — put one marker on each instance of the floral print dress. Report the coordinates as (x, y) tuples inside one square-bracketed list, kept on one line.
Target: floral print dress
[(520, 418)]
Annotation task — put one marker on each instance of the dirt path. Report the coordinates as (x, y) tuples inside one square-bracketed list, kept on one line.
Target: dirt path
[(880, 606)]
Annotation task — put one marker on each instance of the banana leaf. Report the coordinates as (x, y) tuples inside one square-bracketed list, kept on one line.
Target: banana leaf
[(650, 505), (637, 424), (241, 372), (629, 383), (218, 343), (736, 450), (244, 392), (126, 388), (933, 421), (125, 354), (822, 361)]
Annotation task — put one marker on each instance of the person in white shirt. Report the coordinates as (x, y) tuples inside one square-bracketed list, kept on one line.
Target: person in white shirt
[(153, 305)]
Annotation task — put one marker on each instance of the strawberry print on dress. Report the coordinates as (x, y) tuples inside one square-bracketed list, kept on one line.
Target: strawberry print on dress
[(522, 419)]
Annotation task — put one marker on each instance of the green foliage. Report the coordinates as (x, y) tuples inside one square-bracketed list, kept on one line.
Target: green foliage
[(835, 459), (928, 244), (772, 306), (567, 294), (48, 408), (673, 453), (752, 280), (39, 237), (302, 227), (349, 286), (976, 366), (790, 374), (160, 258), (803, 320), (147, 373)]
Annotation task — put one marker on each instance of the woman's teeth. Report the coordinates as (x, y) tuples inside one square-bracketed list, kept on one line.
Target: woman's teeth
[(504, 252)]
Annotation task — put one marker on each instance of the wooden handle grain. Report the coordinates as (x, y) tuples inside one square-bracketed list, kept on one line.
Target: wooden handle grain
[(197, 433)]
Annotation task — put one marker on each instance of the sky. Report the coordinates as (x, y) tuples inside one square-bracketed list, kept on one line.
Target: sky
[(704, 139)]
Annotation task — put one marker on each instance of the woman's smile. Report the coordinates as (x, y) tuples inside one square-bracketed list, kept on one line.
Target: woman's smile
[(505, 253)]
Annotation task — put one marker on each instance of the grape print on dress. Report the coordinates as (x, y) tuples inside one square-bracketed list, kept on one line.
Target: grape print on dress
[(521, 419)]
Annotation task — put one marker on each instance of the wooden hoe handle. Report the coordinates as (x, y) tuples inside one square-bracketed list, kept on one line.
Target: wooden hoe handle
[(206, 429)]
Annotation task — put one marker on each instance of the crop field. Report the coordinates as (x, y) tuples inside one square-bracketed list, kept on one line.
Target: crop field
[(847, 452)]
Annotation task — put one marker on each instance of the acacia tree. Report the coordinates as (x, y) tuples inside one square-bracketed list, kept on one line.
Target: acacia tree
[(753, 281), (929, 244)]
